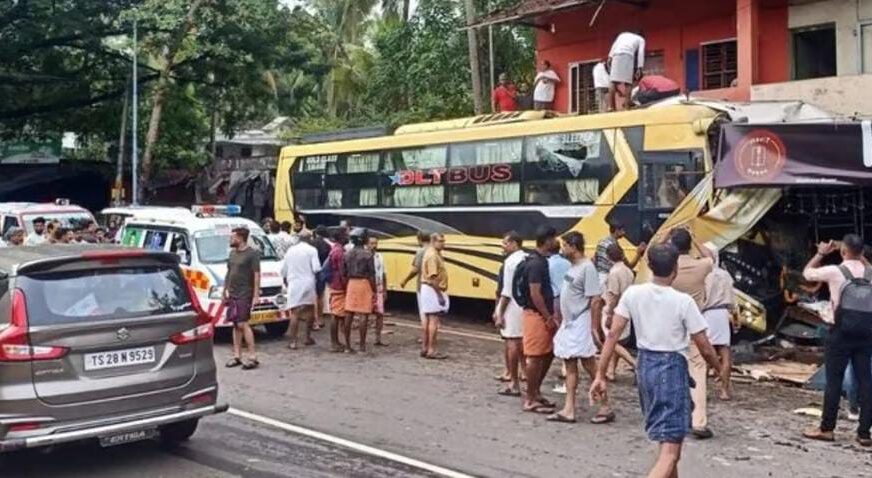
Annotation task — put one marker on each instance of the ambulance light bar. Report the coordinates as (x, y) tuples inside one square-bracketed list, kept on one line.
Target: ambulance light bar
[(217, 210)]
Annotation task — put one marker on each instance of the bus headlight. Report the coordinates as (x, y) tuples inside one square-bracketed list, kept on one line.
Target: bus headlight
[(216, 292)]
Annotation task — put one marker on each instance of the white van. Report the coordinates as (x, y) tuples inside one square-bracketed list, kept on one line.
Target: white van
[(202, 241)]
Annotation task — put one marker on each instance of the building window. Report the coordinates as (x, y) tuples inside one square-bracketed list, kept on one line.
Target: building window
[(245, 152), (814, 51), (654, 63), (581, 91), (719, 64)]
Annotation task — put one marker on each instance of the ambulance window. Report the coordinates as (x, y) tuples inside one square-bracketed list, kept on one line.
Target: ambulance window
[(9, 222), (181, 247)]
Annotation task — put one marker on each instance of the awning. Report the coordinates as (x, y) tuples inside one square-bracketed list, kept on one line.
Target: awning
[(796, 154), (528, 10)]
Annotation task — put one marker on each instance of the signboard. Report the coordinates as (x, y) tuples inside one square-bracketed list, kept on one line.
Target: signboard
[(30, 152), (810, 154), (486, 173)]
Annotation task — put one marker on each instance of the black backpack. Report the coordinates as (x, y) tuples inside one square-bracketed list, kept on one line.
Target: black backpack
[(520, 284), (854, 314)]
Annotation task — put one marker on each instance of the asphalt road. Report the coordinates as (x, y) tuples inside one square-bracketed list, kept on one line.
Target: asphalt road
[(444, 416)]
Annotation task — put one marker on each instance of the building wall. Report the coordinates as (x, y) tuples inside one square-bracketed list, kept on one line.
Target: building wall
[(837, 94), (846, 14), (673, 26)]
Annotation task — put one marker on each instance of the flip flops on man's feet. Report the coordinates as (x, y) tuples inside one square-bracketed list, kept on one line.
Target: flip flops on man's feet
[(509, 392), (602, 418), (250, 364), (234, 362), (540, 408), (560, 418), (435, 356)]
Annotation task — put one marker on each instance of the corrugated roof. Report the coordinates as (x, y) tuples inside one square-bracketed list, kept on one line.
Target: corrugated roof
[(529, 9)]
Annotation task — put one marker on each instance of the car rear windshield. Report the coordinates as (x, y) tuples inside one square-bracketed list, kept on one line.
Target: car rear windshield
[(103, 294)]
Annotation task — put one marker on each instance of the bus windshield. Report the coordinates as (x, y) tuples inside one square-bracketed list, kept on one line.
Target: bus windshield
[(214, 248)]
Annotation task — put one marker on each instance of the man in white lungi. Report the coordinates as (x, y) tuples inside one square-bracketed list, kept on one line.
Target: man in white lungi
[(720, 301), (574, 339), (509, 316), (434, 294), (300, 266), (626, 56)]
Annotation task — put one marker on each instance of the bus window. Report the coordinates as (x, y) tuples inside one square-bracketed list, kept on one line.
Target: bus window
[(352, 180), (568, 168), (490, 171), (667, 178), (397, 193)]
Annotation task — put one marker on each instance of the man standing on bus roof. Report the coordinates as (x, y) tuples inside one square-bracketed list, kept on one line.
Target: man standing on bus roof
[(504, 97), (299, 269), (625, 57), (415, 273), (508, 316), (337, 284), (543, 87), (241, 293), (434, 294)]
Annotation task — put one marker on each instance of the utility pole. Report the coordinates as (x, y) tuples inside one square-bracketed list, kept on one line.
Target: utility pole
[(472, 36), (490, 50), (118, 196), (133, 133)]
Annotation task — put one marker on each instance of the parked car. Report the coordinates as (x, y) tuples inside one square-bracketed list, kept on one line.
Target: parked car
[(100, 342), (22, 214)]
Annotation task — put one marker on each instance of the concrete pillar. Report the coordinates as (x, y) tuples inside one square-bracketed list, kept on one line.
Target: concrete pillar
[(747, 33)]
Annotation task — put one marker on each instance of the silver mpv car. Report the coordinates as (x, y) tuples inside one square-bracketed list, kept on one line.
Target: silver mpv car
[(100, 343)]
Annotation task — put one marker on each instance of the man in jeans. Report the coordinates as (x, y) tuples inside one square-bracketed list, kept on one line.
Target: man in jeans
[(842, 347), (241, 292)]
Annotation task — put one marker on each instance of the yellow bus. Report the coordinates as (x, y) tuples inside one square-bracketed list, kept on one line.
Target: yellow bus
[(475, 179)]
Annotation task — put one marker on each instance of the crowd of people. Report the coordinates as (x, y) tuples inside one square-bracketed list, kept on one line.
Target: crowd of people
[(54, 232), (619, 82)]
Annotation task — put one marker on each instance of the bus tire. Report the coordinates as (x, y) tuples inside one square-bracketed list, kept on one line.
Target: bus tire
[(277, 329)]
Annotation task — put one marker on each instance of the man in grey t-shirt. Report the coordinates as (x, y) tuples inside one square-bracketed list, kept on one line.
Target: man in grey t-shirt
[(417, 263), (574, 339)]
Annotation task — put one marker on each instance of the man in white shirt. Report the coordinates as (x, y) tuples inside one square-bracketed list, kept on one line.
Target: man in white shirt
[(665, 321), (626, 57), (508, 316), (36, 237), (543, 87), (299, 268), (381, 292), (601, 85)]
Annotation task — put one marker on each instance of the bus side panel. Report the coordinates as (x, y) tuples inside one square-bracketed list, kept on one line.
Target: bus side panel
[(284, 199)]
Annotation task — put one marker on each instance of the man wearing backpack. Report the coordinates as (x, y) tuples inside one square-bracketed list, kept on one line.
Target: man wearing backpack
[(850, 338), (531, 288)]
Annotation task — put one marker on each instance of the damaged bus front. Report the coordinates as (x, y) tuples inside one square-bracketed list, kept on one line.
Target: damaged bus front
[(779, 187)]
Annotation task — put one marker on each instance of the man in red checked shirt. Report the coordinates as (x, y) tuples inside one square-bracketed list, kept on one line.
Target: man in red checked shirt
[(505, 95)]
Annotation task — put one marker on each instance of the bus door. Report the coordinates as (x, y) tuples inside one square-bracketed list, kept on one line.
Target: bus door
[(665, 179)]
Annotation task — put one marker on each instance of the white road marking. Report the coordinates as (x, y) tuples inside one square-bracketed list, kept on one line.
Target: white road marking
[(348, 444), (449, 331)]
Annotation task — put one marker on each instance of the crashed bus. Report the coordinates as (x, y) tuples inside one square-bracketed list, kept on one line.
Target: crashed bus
[(786, 176)]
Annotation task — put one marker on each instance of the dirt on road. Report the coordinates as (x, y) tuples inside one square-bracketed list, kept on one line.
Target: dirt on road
[(448, 413)]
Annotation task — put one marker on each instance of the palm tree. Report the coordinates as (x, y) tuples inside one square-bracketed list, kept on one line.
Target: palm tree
[(348, 22)]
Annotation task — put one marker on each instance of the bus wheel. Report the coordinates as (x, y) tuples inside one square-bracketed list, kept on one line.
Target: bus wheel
[(277, 329)]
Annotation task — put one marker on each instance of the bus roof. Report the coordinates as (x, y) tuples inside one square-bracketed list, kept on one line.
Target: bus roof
[(433, 133), (475, 121)]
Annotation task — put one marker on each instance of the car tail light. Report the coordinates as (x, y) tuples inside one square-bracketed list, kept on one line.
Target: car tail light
[(23, 427), (204, 329), (14, 343), (203, 398)]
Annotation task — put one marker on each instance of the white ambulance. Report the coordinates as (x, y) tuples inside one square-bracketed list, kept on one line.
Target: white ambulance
[(202, 241)]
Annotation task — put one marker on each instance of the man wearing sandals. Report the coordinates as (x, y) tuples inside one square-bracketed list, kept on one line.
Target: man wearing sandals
[(539, 322), (508, 314), (434, 295), (666, 321), (299, 270), (241, 292), (574, 339)]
